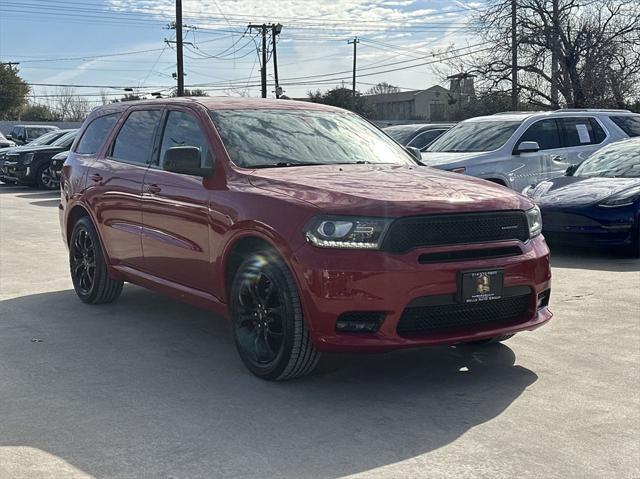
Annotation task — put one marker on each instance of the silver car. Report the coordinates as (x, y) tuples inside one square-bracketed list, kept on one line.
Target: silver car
[(523, 148)]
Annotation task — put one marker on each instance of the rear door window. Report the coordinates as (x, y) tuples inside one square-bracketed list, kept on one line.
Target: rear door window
[(581, 132), (95, 134), (136, 138), (630, 124), (544, 132)]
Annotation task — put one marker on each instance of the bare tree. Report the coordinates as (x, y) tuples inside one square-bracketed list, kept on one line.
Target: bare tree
[(68, 105), (382, 88), (596, 43)]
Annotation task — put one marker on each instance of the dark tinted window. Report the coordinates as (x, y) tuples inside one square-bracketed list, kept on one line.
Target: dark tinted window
[(16, 132), (182, 130), (65, 140), (36, 132), (579, 132), (630, 124), (543, 132), (425, 138), (135, 139), (95, 134), (598, 133), (401, 133)]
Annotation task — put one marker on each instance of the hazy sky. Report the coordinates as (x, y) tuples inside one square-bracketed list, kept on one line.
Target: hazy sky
[(64, 42)]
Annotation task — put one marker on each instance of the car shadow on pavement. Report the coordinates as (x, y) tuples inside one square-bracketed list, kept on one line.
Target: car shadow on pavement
[(54, 202), (151, 387), (40, 194), (574, 257)]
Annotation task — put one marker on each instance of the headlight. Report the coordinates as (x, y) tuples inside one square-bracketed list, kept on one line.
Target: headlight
[(534, 218), (346, 232), (623, 198), (28, 158)]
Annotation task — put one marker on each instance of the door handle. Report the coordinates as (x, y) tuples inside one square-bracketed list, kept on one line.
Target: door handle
[(96, 177), (152, 189), (558, 159)]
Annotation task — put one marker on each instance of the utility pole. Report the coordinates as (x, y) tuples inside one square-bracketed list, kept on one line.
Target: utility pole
[(355, 42), (275, 31), (514, 59), (554, 55), (263, 69), (180, 68)]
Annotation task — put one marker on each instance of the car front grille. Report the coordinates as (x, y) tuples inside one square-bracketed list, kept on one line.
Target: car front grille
[(445, 229), (434, 314)]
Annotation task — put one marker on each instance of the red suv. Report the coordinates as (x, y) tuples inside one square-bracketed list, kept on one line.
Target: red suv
[(306, 226)]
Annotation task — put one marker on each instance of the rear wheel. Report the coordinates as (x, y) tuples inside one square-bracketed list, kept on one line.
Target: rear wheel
[(46, 178), (268, 325), (88, 266), (497, 339)]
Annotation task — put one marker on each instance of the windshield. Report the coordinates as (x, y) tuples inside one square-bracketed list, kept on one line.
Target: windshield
[(270, 138), (402, 134), (619, 160), (45, 139), (66, 139), (473, 136)]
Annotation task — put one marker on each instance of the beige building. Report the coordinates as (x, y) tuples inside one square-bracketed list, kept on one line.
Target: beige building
[(433, 104)]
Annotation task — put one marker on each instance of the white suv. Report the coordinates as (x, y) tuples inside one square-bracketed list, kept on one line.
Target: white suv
[(518, 149)]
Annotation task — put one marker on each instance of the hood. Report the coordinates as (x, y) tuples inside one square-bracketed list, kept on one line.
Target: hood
[(35, 149), (449, 160), (387, 190), (576, 191)]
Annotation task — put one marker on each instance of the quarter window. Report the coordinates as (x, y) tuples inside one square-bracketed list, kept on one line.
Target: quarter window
[(581, 132), (95, 134), (135, 140), (543, 132), (182, 129), (630, 124)]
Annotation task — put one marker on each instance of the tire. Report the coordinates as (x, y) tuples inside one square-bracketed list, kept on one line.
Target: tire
[(88, 268), (45, 179), (267, 321), (486, 342)]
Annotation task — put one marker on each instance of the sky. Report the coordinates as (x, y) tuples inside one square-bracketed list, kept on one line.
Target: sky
[(104, 46)]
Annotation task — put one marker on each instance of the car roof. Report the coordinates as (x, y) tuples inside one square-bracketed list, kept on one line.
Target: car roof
[(523, 115), (49, 127), (222, 103), (418, 126)]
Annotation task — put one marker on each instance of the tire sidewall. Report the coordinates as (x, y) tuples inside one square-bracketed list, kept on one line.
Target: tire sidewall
[(39, 171), (101, 269), (277, 271)]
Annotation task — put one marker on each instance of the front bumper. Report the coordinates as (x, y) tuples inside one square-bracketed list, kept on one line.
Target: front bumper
[(15, 171), (333, 282), (591, 226)]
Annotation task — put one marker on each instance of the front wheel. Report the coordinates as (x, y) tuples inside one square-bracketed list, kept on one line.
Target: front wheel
[(88, 266), (268, 325), (46, 178)]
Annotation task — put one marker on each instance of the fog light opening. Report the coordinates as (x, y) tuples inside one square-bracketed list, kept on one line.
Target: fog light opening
[(543, 298), (360, 322)]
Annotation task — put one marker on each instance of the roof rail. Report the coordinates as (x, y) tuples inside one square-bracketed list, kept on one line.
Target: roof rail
[(617, 110), (515, 113)]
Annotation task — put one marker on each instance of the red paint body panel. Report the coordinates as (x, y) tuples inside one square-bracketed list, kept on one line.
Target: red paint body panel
[(177, 238)]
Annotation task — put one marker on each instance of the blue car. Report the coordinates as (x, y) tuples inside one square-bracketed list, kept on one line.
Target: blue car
[(597, 203)]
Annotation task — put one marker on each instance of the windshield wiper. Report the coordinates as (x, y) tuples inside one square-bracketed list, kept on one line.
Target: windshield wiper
[(284, 164)]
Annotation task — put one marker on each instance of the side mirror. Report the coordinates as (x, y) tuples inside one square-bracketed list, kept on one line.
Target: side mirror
[(571, 170), (9, 137), (528, 147), (415, 152), (184, 160)]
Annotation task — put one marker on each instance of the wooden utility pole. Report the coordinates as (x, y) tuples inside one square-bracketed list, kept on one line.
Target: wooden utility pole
[(275, 31), (180, 67), (355, 42), (514, 58)]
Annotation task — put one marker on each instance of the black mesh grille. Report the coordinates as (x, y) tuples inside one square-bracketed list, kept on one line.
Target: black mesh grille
[(435, 318), (407, 233)]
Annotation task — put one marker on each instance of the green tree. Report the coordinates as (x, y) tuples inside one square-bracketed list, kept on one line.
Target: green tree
[(38, 113), (13, 92), (342, 98)]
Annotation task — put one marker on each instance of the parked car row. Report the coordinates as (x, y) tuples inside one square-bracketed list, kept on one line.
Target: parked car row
[(31, 164), (23, 134)]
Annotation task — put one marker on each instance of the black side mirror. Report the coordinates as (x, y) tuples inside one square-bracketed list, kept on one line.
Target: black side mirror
[(415, 152), (571, 170), (9, 137), (184, 160), (528, 147)]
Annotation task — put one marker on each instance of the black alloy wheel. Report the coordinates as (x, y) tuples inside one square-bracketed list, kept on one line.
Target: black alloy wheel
[(88, 268), (268, 325), (46, 177)]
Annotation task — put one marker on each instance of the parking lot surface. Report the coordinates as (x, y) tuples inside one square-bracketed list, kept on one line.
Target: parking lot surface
[(150, 387)]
